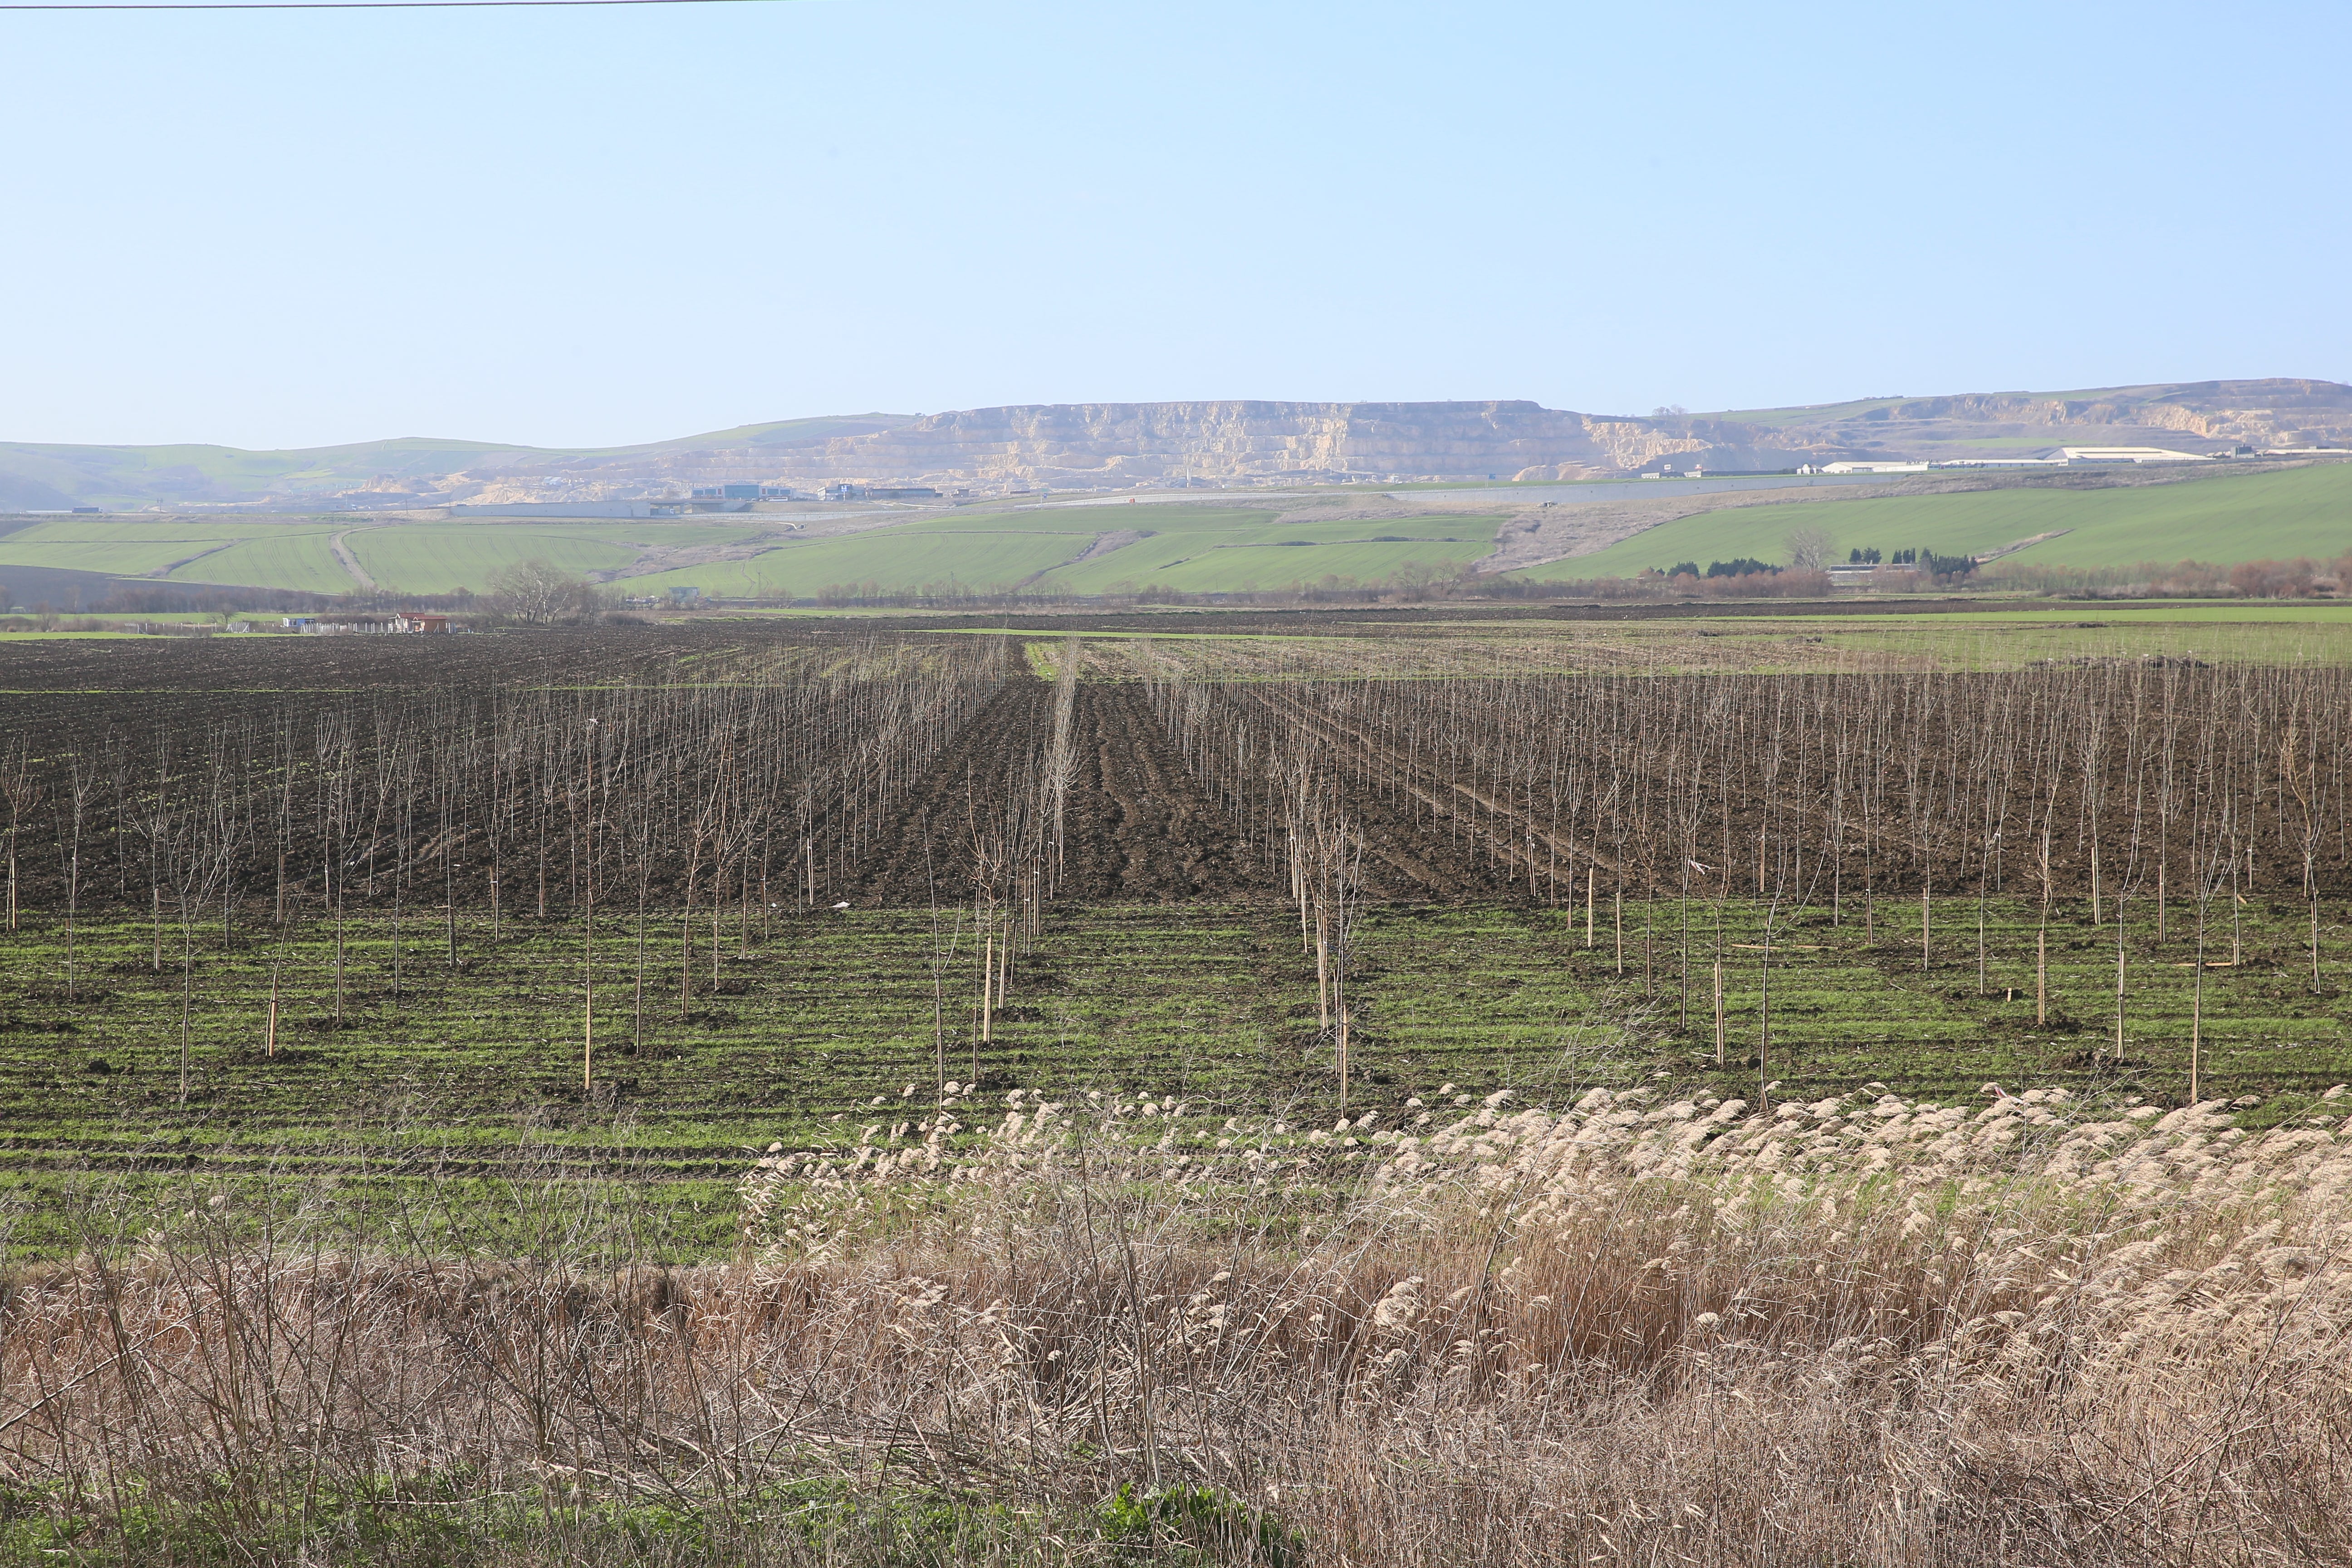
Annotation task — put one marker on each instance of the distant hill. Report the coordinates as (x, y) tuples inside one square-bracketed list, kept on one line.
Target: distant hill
[(2192, 417), (1115, 445), (1120, 445), (42, 476)]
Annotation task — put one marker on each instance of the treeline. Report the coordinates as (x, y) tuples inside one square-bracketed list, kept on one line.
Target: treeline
[(2300, 578)]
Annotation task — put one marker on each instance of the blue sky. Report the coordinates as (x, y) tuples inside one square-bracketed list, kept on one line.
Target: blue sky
[(601, 225)]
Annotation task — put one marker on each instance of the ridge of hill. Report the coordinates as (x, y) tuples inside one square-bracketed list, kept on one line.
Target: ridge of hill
[(41, 475), (1207, 443)]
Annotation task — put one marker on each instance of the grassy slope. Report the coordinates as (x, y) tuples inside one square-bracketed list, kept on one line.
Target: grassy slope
[(978, 549), (909, 556), (242, 551), (1195, 548), (103, 544), (1828, 413), (2226, 518), (130, 476), (1198, 547), (303, 559), (1213, 550), (437, 558)]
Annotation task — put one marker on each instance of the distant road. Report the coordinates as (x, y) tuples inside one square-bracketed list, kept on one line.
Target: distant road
[(1520, 495), (351, 562)]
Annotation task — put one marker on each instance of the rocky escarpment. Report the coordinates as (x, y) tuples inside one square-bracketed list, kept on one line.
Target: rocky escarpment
[(2198, 417), (1211, 443), (1225, 442), (1242, 442)]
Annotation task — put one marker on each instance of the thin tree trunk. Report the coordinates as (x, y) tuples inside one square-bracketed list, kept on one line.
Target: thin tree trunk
[(2041, 971), (1322, 971), (685, 952), (2119, 979), (187, 993), (588, 995), (2314, 941), (2197, 1003)]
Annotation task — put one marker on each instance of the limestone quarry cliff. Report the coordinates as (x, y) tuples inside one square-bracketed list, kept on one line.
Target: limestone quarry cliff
[(1214, 443), (1225, 442), (1117, 445)]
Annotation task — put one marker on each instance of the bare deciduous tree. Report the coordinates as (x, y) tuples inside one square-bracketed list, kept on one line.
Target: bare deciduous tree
[(1808, 547), (535, 592)]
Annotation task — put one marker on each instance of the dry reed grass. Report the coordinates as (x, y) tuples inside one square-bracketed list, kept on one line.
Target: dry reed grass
[(1633, 1330)]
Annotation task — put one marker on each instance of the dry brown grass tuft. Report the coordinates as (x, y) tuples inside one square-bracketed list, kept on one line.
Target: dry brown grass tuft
[(1858, 1331)]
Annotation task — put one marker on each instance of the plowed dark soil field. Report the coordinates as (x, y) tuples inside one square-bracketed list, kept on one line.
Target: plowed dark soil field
[(1137, 825)]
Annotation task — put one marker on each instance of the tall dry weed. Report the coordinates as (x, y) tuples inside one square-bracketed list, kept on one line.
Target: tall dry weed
[(1636, 1329)]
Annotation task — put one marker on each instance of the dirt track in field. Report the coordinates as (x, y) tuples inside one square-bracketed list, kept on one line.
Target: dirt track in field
[(1140, 827), (1136, 827), (1145, 829)]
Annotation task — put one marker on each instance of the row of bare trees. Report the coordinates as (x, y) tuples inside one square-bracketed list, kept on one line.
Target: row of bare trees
[(2171, 792), (2098, 783), (697, 803)]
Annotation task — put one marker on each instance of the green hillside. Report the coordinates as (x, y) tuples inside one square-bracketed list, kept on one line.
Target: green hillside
[(890, 558), (1231, 550), (245, 551), (440, 558), (141, 476), (105, 544), (1197, 548), (301, 559), (776, 433), (40, 476), (2223, 518), (298, 552)]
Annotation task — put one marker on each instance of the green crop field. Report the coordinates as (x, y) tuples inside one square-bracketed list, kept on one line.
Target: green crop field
[(1195, 549), (106, 544), (1188, 548), (1198, 549), (439, 558), (815, 1013), (897, 558), (243, 552), (296, 558), (2222, 518), (1211, 561), (1456, 639), (298, 553)]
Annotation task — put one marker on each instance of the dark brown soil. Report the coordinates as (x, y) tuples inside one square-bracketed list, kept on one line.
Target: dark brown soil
[(1136, 826)]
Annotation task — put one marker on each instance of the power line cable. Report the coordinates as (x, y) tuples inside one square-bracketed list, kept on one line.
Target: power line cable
[(326, 4)]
